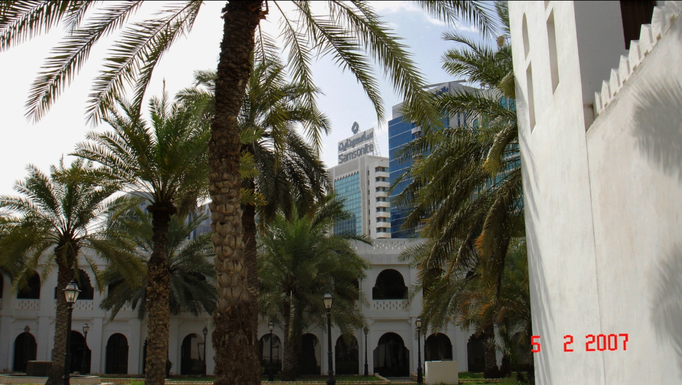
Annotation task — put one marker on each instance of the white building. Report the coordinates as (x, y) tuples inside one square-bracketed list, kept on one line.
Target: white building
[(601, 142), (117, 346), (361, 178)]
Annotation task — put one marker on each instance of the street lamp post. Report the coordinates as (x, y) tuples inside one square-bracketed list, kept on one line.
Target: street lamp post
[(328, 299), (203, 368), (419, 351), (271, 376), (71, 294), (366, 330), (84, 363)]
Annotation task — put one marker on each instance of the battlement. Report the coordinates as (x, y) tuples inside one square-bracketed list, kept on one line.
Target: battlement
[(649, 36)]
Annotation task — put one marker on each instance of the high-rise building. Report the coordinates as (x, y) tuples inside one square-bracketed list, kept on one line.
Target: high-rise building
[(361, 178), (400, 133)]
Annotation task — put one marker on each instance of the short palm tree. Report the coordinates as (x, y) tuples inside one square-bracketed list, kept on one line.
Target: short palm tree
[(50, 223), (165, 164), (351, 33), (192, 276), (468, 185), (299, 261)]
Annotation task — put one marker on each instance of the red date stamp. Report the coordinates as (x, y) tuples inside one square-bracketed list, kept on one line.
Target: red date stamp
[(600, 342)]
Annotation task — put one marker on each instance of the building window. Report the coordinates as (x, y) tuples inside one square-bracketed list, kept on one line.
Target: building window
[(634, 14), (524, 27), (553, 62)]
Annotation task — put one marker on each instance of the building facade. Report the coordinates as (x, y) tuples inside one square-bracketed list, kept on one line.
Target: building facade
[(117, 346), (361, 179), (599, 95), (400, 133)]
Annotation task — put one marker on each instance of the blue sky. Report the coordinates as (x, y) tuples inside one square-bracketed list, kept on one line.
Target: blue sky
[(344, 102)]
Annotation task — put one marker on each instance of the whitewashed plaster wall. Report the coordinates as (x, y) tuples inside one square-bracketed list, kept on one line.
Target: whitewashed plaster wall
[(602, 195)]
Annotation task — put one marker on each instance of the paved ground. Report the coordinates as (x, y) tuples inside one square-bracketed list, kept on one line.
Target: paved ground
[(401, 380)]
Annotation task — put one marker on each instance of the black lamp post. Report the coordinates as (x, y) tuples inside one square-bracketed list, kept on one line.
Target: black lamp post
[(419, 351), (366, 330), (84, 363), (271, 376), (71, 294), (328, 299), (203, 368)]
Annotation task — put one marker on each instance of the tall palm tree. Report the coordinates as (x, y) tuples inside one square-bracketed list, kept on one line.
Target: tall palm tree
[(350, 32), (289, 173), (53, 219), (192, 276), (300, 261), (468, 184), (166, 165)]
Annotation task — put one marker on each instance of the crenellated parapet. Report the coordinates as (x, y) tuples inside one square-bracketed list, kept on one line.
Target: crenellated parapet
[(650, 34)]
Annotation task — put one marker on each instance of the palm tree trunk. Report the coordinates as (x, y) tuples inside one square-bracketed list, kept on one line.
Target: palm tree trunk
[(491, 370), (64, 276), (291, 343), (158, 289), (250, 255), (234, 339)]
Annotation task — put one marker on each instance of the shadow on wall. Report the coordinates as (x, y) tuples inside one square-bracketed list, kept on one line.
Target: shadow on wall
[(666, 308), (658, 120)]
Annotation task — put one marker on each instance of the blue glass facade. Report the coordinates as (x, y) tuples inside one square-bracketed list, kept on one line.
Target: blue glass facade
[(399, 134), (348, 188)]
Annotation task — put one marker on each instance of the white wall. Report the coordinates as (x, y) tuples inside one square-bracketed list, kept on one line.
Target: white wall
[(602, 197)]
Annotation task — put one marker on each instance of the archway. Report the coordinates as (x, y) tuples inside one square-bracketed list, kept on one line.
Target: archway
[(438, 348), (32, 288), (476, 353), (117, 355), (190, 355), (78, 349), (390, 284), (24, 350), (87, 291), (347, 355), (276, 353), (311, 355), (391, 357)]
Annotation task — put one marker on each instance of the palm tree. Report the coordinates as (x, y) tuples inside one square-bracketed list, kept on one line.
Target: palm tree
[(350, 32), (166, 165), (468, 186), (288, 173), (299, 261), (191, 274), (52, 220)]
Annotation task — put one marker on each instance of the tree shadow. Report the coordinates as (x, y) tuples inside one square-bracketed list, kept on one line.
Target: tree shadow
[(666, 307), (658, 120)]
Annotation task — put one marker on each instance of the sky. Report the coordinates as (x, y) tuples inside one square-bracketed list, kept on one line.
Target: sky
[(42, 144)]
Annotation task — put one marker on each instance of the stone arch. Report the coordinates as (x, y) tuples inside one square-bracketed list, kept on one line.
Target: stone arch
[(190, 355), (117, 354), (437, 347), (476, 353), (32, 288), (391, 357), (311, 355), (390, 284), (347, 355), (25, 348), (85, 286), (264, 347)]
